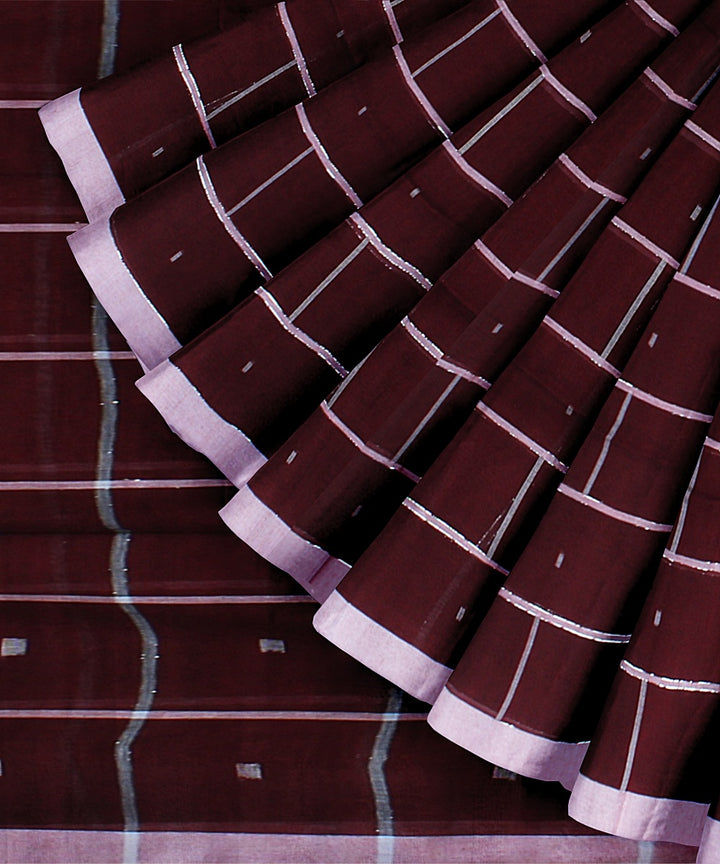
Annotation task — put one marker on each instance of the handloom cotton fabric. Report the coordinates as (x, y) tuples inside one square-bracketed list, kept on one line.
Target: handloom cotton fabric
[(517, 540)]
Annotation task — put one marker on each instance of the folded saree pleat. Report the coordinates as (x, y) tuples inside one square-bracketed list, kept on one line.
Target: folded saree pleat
[(529, 688), (237, 391), (121, 135), (651, 769), (334, 483), (262, 198), (435, 568)]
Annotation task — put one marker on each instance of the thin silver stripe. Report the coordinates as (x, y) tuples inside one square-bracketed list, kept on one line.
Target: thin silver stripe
[(427, 418), (473, 30), (516, 100), (560, 622), (519, 670), (237, 97), (573, 239), (44, 356), (103, 484), (315, 293), (124, 714), (632, 748), (283, 319), (384, 817), (296, 50), (227, 222), (263, 186), (451, 533), (633, 308), (607, 442), (699, 237), (682, 515), (644, 242), (194, 91), (687, 684), (514, 506)]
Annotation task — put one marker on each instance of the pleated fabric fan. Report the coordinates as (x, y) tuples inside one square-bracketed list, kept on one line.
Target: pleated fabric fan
[(436, 285)]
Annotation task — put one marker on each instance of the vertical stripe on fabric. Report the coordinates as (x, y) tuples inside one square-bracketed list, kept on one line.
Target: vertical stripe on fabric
[(267, 183), (194, 91), (515, 504), (296, 50), (315, 293), (384, 816), (573, 239), (632, 748), (519, 671), (108, 38), (600, 461), (682, 515), (633, 308), (414, 88), (427, 418), (453, 45), (692, 252), (514, 102)]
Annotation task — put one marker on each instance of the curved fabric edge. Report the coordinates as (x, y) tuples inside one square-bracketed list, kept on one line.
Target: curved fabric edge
[(192, 419), (379, 649), (709, 852), (145, 330), (505, 745), (69, 132), (638, 817), (265, 532)]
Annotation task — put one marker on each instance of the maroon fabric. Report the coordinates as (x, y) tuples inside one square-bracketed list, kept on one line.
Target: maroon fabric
[(337, 496)]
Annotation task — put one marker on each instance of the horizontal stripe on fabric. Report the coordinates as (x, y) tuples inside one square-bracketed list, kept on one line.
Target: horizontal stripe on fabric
[(451, 533), (453, 45), (578, 173), (521, 32), (476, 175), (32, 104), (226, 221), (160, 600), (634, 234), (712, 444), (520, 436), (81, 485), (493, 259), (41, 227), (560, 622), (656, 17), (693, 563), (284, 320), (666, 683), (667, 90), (23, 356), (567, 94), (612, 512), (367, 231), (324, 157), (702, 287), (157, 714), (432, 115), (364, 448), (662, 404), (537, 284), (194, 91), (693, 127), (296, 50), (582, 347), (438, 355)]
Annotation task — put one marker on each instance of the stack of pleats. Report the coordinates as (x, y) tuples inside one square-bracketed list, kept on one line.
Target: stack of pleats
[(436, 286)]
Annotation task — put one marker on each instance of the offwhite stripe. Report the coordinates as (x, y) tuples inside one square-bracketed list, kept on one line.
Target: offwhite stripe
[(524, 439), (712, 444), (687, 684), (525, 37), (568, 95), (376, 771), (227, 222), (538, 284), (451, 533), (682, 515), (632, 309), (40, 227), (656, 17), (273, 177), (251, 89), (662, 404), (23, 103), (643, 241), (493, 259), (520, 669), (425, 103), (573, 238), (296, 50), (517, 500), (277, 311), (580, 346), (400, 263), (607, 442), (632, 748), (439, 356), (434, 408), (693, 563), (702, 287), (124, 714), (363, 447), (81, 485), (323, 156), (612, 512), (315, 293), (475, 175), (667, 90), (392, 20), (560, 622), (577, 172), (483, 130), (452, 46), (693, 127), (7, 356), (194, 91), (162, 600)]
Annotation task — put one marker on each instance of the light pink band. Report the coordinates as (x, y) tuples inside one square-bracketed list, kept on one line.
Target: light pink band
[(392, 21), (686, 684), (662, 404), (296, 50), (568, 95), (693, 127), (535, 283), (702, 287), (367, 231), (656, 17), (581, 346), (524, 439), (613, 512), (577, 172), (475, 175), (194, 91), (439, 356), (490, 256), (520, 31), (693, 563), (425, 103), (668, 91), (643, 241)]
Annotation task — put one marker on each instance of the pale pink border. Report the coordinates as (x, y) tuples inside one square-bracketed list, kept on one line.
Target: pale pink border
[(191, 418), (146, 331), (380, 649), (506, 745), (639, 817), (265, 532), (194, 847), (71, 135), (709, 852)]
